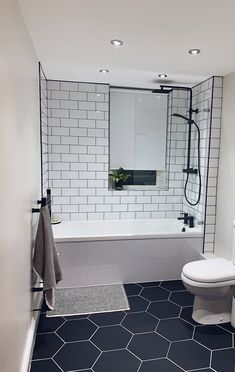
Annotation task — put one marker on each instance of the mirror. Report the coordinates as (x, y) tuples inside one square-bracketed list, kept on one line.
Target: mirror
[(138, 134)]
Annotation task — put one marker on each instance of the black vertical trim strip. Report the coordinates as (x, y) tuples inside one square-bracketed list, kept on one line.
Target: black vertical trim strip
[(170, 142), (48, 168), (109, 127), (40, 75), (168, 136), (208, 164), (40, 118), (217, 178)]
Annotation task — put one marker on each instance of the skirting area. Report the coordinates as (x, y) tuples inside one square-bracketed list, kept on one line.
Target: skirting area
[(156, 334)]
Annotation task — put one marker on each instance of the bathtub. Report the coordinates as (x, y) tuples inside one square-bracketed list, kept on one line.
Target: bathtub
[(124, 251)]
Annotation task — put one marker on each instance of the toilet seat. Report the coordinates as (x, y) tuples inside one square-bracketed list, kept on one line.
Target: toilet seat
[(194, 283), (209, 273)]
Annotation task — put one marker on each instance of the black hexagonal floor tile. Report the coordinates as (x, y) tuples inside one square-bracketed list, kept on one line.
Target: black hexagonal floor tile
[(164, 309), (75, 317), (44, 307), (46, 365), (137, 303), (77, 355), (204, 370), (148, 343), (116, 361), (76, 330), (140, 322), (82, 370), (46, 345), (49, 324), (161, 365), (111, 338), (173, 285), (132, 289), (155, 294), (213, 337), (228, 327), (186, 314), (183, 298), (149, 284), (223, 360), (104, 319), (149, 346), (189, 355), (175, 329)]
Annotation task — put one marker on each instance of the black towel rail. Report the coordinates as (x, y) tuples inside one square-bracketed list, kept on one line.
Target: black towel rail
[(43, 202)]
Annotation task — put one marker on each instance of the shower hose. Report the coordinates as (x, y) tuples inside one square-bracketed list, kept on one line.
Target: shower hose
[(199, 171)]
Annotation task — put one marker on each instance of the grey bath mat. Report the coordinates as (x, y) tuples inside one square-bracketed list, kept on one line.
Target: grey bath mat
[(88, 300)]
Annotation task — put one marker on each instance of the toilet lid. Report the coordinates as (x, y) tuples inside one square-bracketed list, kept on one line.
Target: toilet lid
[(210, 271)]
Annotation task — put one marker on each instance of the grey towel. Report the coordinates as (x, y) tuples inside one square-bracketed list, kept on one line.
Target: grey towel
[(45, 261)]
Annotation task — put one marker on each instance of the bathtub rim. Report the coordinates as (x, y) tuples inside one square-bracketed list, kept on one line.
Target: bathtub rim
[(188, 233)]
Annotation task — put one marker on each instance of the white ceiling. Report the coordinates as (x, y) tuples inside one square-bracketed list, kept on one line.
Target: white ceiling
[(72, 39)]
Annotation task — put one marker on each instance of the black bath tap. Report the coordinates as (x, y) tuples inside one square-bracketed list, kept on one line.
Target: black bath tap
[(188, 220), (185, 217)]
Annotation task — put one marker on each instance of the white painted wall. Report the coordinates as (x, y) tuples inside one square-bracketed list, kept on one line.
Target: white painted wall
[(226, 180), (20, 182)]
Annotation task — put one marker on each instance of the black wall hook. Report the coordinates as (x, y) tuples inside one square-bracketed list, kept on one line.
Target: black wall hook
[(44, 201), (35, 210)]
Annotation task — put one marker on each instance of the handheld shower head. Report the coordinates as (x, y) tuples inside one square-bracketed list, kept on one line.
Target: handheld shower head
[(181, 116), (190, 121)]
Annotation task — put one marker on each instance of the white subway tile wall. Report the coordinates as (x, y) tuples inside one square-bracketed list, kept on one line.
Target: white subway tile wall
[(78, 132), (208, 120), (78, 153), (44, 132)]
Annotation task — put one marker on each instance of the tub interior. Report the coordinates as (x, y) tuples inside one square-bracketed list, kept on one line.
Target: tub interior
[(122, 229)]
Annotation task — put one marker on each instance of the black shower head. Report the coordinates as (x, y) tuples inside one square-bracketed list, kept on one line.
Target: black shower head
[(162, 90)]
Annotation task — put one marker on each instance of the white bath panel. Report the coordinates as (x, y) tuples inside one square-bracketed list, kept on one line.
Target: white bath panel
[(126, 261), (109, 252)]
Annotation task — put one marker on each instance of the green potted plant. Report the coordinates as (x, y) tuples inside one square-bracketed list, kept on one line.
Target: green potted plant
[(119, 177)]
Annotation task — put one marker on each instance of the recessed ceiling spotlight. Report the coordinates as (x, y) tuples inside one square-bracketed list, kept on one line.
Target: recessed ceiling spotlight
[(116, 42), (194, 51), (104, 71), (162, 76)]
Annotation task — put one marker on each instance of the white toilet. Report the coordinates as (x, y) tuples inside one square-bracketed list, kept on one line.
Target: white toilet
[(213, 284)]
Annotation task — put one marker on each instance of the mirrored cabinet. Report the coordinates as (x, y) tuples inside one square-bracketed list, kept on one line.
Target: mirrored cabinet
[(138, 136)]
